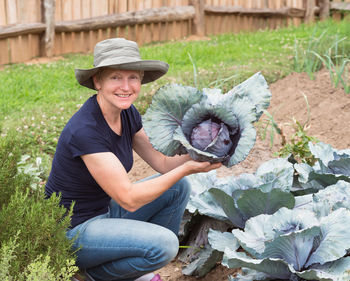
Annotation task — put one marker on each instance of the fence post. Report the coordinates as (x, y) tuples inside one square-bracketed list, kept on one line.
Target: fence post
[(324, 9), (310, 11), (48, 16), (199, 21)]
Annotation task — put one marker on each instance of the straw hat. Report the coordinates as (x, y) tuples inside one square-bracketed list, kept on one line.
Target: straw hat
[(120, 53)]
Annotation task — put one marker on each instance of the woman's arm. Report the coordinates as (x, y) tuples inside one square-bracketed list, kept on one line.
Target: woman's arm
[(158, 161), (110, 174)]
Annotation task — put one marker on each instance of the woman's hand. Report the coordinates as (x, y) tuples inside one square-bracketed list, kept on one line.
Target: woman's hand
[(194, 167)]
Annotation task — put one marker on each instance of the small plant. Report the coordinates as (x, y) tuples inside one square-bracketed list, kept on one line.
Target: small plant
[(297, 146), (303, 58), (338, 72)]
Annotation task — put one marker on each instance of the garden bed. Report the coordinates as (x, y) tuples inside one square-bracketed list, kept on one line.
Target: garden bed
[(329, 123)]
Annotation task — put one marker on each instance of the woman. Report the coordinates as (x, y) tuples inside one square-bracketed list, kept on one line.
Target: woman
[(123, 230)]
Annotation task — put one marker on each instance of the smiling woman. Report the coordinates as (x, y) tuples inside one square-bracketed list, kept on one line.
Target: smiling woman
[(122, 230)]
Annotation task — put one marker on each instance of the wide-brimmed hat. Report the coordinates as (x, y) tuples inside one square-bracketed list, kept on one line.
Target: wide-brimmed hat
[(120, 53)]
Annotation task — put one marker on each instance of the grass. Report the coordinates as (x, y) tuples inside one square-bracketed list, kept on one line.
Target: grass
[(37, 100)]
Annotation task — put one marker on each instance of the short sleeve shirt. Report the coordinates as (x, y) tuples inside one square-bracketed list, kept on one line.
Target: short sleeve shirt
[(85, 133)]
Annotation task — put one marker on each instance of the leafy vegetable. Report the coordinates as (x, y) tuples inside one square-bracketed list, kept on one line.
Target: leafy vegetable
[(326, 200), (332, 165), (238, 199), (207, 124), (293, 245)]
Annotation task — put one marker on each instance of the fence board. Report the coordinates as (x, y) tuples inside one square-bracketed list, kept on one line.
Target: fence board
[(86, 9), (11, 12), (4, 54), (3, 16), (76, 13)]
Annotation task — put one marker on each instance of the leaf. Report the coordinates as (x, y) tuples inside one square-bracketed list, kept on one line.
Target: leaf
[(165, 114), (273, 268), (336, 270), (206, 205), (256, 90), (220, 240), (334, 241), (206, 260), (227, 204), (254, 202), (294, 248)]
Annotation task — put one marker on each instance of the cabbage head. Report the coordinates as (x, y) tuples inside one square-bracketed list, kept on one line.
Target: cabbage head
[(207, 124), (292, 245)]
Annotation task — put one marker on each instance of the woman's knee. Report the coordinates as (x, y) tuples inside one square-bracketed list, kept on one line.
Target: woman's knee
[(165, 249)]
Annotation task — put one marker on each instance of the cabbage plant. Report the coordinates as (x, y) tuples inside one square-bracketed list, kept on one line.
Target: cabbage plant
[(291, 245), (326, 200), (207, 124), (331, 166), (236, 199)]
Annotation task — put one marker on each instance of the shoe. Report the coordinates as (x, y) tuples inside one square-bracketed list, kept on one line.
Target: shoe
[(82, 276), (78, 277), (156, 278)]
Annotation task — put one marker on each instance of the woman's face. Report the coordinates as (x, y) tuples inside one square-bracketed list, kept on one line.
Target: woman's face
[(119, 88)]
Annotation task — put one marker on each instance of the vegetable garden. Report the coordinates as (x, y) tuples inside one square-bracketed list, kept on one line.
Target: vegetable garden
[(280, 211)]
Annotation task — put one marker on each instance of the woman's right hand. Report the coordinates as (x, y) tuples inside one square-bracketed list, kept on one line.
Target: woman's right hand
[(194, 167)]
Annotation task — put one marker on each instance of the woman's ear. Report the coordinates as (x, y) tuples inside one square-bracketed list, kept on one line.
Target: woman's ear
[(97, 82)]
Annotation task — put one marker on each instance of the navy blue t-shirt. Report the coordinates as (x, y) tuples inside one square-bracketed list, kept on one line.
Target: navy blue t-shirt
[(85, 133)]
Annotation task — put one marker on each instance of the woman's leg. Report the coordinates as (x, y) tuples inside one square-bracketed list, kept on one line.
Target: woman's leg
[(124, 245), (167, 210), (123, 249)]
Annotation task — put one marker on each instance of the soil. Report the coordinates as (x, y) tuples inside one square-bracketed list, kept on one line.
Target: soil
[(329, 122)]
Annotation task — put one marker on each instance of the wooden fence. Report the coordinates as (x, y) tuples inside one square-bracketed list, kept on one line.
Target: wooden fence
[(33, 28)]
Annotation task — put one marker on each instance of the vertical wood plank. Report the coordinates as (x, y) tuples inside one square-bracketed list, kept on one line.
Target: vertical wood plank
[(3, 16), (148, 33), (58, 43), (5, 52), (76, 13), (148, 4), (122, 6), (67, 12), (157, 3), (86, 9), (16, 49), (99, 8), (11, 12), (132, 6), (58, 10)]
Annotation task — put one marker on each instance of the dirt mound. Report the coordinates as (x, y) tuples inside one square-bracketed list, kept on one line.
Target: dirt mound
[(329, 122)]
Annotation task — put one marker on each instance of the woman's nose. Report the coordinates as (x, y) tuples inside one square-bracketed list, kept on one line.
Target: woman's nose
[(125, 84)]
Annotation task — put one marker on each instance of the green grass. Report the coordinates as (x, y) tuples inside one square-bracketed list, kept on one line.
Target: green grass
[(37, 100)]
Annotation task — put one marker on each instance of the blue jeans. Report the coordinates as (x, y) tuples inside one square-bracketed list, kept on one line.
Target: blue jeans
[(122, 245)]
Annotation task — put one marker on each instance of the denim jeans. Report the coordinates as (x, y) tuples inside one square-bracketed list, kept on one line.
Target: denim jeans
[(123, 245)]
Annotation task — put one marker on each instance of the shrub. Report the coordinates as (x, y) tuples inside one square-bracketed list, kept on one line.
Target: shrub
[(33, 244), (10, 154)]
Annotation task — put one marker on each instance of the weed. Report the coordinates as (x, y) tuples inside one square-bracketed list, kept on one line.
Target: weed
[(337, 72), (296, 148)]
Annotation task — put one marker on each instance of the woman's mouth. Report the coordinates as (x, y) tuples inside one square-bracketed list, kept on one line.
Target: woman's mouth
[(123, 95)]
